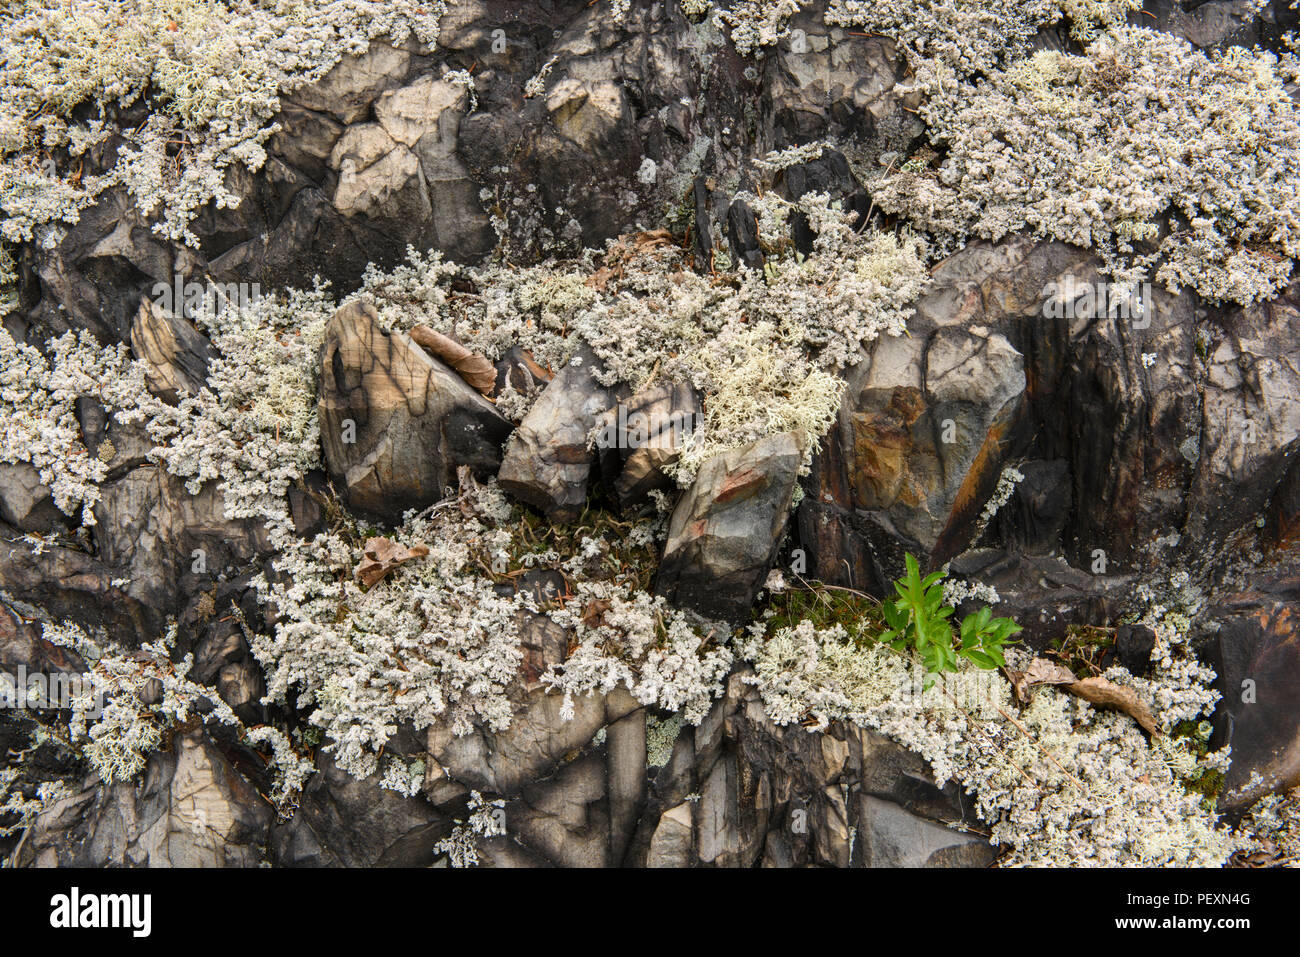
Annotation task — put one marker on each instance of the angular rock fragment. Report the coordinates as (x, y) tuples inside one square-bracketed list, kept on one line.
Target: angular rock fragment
[(547, 461), (395, 422), (893, 837), (726, 527), (175, 355), (671, 844), (742, 233), (25, 501), (929, 420), (638, 438)]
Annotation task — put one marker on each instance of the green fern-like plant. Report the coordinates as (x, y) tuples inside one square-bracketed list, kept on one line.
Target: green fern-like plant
[(918, 618)]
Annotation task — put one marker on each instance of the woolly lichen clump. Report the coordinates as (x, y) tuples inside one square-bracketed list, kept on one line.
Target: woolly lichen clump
[(766, 348), (1161, 157), (1060, 782), (212, 71)]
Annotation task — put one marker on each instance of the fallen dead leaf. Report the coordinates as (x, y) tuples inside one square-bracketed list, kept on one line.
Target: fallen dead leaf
[(1099, 691), (1107, 694), (470, 366), (1040, 671), (380, 556), (593, 616)]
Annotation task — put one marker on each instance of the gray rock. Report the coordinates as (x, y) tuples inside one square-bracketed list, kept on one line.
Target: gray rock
[(637, 439), (167, 542), (25, 501), (343, 822), (347, 91), (726, 527), (671, 844), (536, 742), (396, 423), (189, 808), (547, 461), (175, 355), (1250, 428), (892, 837)]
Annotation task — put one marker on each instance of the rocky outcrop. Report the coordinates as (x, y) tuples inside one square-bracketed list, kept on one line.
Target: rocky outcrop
[(191, 809), (726, 528), (396, 423), (1128, 427), (1165, 438)]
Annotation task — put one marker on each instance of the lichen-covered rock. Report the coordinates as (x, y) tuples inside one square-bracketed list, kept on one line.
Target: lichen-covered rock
[(727, 526), (396, 423), (22, 646)]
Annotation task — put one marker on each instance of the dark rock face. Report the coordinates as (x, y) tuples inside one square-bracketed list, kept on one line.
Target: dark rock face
[(396, 423), (726, 527), (1258, 663)]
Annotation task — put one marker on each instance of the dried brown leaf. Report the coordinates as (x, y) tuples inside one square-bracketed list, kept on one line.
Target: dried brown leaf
[(1040, 671), (470, 366), (1107, 694), (380, 556)]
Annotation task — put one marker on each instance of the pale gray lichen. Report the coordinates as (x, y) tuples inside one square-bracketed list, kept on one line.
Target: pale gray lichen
[(1097, 149), (1060, 783)]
